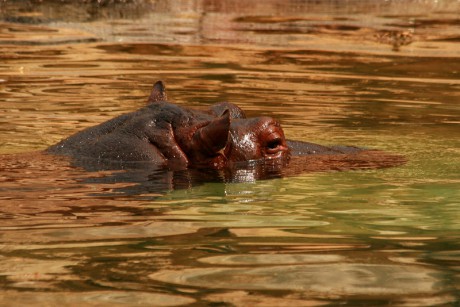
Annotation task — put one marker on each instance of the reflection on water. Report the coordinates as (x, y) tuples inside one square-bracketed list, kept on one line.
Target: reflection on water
[(375, 74), (96, 298), (324, 279)]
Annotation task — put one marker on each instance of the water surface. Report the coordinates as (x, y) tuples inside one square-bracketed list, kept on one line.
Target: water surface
[(375, 74)]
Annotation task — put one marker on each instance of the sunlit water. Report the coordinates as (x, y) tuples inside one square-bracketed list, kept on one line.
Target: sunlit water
[(382, 75)]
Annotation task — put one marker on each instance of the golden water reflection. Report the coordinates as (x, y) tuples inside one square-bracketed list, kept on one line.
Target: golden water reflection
[(320, 280), (96, 298)]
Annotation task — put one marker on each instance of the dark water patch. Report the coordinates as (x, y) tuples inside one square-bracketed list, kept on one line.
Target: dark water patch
[(31, 19), (42, 54), (454, 39), (269, 19), (19, 29), (436, 22), (71, 65), (24, 34), (56, 42), (290, 27), (405, 16), (339, 27), (35, 12)]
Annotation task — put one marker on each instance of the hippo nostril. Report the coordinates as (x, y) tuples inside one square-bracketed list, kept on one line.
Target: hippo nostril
[(274, 144)]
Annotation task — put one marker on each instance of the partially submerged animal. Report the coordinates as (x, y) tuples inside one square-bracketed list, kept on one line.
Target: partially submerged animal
[(169, 136)]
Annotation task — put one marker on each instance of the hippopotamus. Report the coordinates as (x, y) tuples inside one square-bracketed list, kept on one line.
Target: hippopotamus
[(166, 135)]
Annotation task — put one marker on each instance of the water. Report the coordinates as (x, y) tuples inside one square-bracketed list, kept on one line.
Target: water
[(376, 74)]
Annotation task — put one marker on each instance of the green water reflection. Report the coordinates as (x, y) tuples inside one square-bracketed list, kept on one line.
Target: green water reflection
[(375, 74)]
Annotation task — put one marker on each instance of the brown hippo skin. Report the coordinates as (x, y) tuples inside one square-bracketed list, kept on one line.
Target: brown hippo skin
[(169, 136)]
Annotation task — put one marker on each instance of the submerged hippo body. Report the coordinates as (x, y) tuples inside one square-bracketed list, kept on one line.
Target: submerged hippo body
[(170, 136)]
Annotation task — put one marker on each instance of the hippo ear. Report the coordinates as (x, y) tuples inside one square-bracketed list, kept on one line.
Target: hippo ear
[(213, 137), (219, 108), (158, 93)]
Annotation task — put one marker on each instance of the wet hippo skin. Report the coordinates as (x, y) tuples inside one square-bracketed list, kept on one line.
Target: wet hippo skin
[(170, 136)]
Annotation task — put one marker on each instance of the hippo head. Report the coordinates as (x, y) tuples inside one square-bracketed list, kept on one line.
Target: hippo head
[(256, 138), (226, 140), (228, 137)]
